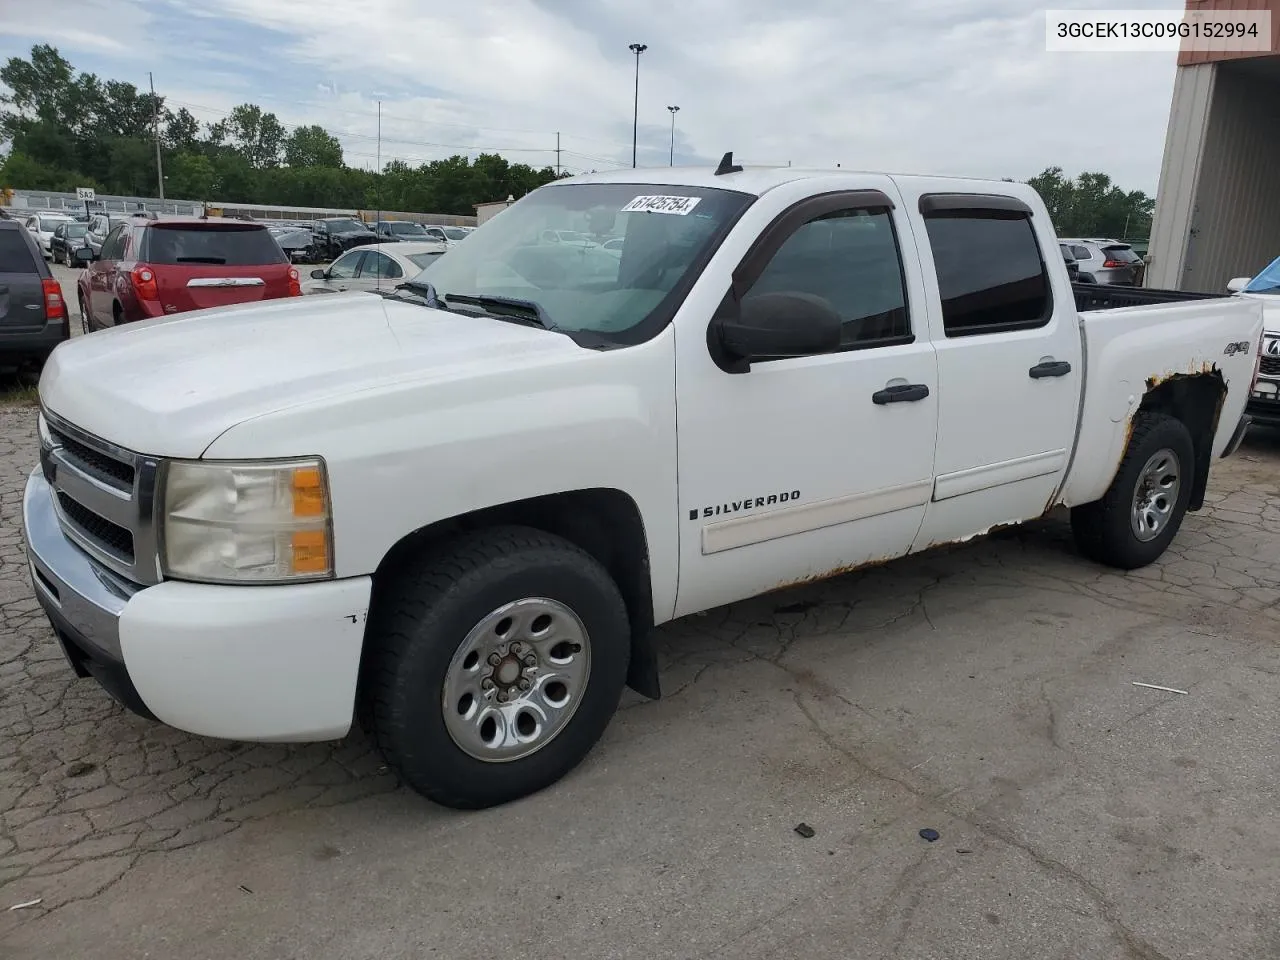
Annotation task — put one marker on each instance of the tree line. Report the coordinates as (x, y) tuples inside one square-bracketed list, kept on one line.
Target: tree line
[(68, 130)]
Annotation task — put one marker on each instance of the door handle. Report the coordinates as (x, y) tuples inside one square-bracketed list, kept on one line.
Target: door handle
[(900, 393), (1050, 368)]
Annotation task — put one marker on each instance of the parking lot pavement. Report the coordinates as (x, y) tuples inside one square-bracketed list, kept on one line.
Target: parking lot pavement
[(983, 691)]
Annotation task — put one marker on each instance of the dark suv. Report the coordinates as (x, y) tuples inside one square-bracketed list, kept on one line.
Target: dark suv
[(158, 267), (33, 313), (338, 234)]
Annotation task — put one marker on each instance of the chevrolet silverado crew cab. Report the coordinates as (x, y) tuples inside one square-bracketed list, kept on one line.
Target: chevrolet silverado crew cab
[(457, 509)]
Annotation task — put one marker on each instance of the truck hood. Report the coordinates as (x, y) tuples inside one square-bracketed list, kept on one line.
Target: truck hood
[(171, 386)]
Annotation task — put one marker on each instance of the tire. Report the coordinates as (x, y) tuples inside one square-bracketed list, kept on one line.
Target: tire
[(437, 611), (1107, 531)]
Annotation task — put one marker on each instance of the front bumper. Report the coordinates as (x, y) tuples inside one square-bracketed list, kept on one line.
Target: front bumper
[(1265, 413), (238, 662)]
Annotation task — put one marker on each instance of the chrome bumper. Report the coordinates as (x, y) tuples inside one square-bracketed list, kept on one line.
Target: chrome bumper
[(81, 598)]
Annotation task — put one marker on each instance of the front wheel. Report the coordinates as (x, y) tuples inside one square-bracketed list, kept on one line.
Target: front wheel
[(495, 665), (1138, 517)]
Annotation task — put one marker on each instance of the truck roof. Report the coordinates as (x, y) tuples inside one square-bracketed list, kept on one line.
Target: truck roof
[(760, 180)]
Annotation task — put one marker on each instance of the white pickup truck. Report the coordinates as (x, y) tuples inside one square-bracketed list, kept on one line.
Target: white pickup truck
[(458, 509)]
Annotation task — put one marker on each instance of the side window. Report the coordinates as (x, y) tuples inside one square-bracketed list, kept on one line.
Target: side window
[(1080, 253), (851, 259), (381, 266), (112, 244), (346, 266), (990, 272)]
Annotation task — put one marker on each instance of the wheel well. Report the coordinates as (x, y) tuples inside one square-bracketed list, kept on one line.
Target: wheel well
[(1196, 400), (604, 522)]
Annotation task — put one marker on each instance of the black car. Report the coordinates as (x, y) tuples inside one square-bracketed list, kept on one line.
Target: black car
[(33, 312), (297, 244), (67, 238), (333, 236)]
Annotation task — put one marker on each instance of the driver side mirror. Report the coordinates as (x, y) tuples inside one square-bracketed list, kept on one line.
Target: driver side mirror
[(772, 326), (83, 257), (319, 274), (1238, 284)]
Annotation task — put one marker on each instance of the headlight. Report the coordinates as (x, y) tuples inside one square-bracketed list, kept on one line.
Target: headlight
[(237, 522)]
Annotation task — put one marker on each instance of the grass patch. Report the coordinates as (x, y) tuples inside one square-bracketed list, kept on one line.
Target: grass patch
[(16, 396)]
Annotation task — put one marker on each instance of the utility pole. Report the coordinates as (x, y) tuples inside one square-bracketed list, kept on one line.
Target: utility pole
[(557, 155), (672, 160), (379, 174), (637, 49), (155, 126)]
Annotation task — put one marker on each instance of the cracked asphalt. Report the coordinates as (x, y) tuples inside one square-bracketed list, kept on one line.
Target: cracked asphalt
[(984, 691)]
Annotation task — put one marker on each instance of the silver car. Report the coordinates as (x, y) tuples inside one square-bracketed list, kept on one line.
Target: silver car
[(1106, 261)]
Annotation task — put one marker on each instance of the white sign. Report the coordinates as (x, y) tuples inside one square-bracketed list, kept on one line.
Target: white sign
[(85, 193), (680, 206)]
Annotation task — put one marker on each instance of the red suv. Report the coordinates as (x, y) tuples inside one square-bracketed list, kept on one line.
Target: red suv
[(156, 267)]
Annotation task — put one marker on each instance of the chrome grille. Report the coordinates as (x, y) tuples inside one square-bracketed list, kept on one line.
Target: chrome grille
[(105, 498), (1269, 367), (84, 457)]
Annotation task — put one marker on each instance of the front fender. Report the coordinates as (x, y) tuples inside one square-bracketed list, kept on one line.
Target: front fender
[(416, 454)]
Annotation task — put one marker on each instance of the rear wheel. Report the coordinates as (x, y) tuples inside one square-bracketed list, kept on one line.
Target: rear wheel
[(495, 665), (1138, 517)]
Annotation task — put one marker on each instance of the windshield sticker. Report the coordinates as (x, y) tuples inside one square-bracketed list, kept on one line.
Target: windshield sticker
[(680, 206)]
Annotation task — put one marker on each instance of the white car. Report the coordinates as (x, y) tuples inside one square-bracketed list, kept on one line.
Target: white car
[(42, 225), (1264, 405), (375, 266), (447, 234), (467, 518)]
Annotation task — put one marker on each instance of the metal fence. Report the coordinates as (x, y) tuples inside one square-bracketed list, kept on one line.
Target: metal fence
[(24, 200)]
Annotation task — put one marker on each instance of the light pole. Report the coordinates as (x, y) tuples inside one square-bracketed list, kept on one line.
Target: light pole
[(674, 111), (637, 49)]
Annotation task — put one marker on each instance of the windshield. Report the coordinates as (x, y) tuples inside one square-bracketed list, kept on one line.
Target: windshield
[(667, 233), (346, 226), (1268, 281), (76, 229), (453, 233)]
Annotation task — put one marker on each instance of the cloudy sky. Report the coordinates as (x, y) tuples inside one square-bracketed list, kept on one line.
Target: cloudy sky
[(922, 86)]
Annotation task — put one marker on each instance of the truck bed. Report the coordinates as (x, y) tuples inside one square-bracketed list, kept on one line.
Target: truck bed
[(1097, 296)]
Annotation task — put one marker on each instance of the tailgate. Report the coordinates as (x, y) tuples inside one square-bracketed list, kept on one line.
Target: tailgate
[(21, 289), (190, 287), (214, 264)]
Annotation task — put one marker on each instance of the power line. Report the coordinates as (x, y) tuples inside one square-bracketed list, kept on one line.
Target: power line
[(416, 143)]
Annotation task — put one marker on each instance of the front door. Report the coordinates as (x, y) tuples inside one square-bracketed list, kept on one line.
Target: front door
[(804, 466), (1009, 359), (340, 275)]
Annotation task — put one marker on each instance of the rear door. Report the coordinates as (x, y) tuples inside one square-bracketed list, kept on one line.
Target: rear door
[(21, 285), (376, 271), (1007, 337), (214, 264), (102, 277)]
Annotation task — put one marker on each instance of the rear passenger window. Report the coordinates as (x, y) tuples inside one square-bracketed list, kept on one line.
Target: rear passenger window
[(15, 255), (1081, 253), (850, 259), (990, 272)]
